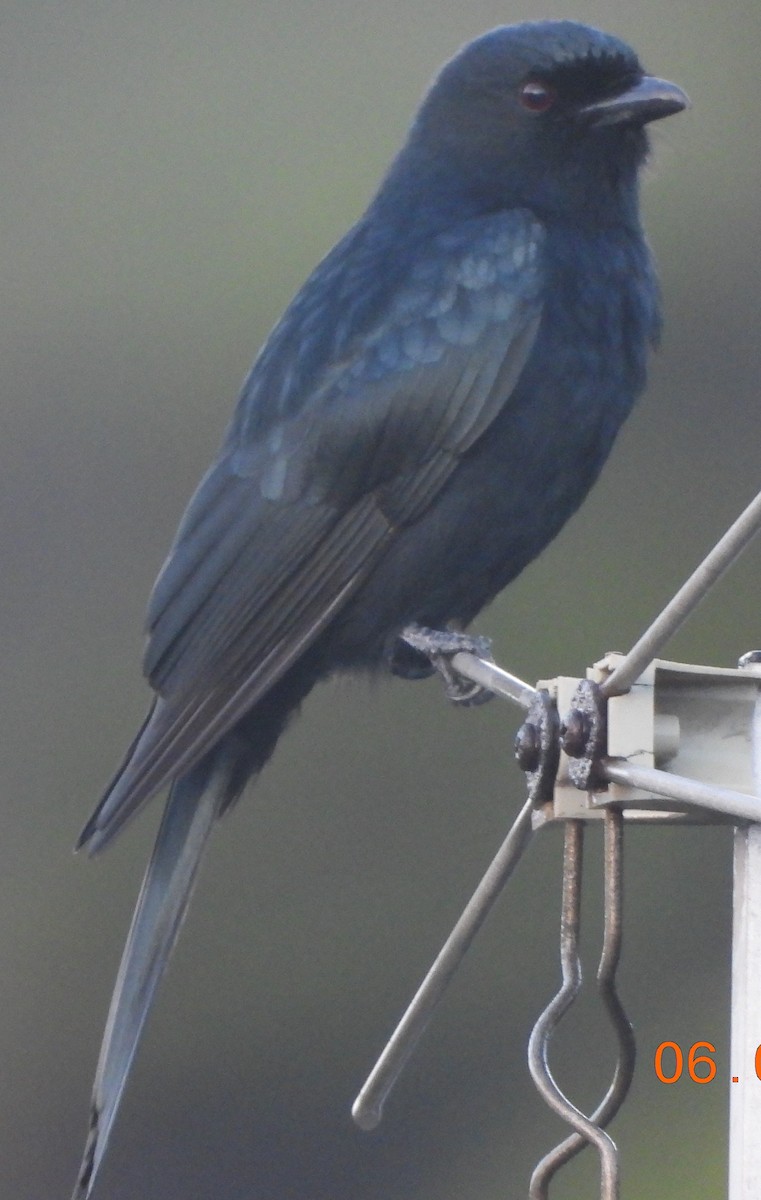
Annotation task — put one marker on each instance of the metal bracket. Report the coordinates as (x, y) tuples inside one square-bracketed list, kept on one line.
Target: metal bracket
[(679, 744)]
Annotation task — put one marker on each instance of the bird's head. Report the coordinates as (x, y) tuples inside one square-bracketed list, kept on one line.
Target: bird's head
[(546, 114)]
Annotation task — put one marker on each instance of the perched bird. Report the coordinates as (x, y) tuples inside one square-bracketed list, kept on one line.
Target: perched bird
[(434, 404)]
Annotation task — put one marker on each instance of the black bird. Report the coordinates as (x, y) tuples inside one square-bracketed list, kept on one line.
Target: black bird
[(434, 404)]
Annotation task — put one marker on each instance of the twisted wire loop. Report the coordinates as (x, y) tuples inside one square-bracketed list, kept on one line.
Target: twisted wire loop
[(547, 1168), (586, 1129)]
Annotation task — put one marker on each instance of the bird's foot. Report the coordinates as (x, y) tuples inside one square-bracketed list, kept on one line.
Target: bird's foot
[(426, 650), (407, 662)]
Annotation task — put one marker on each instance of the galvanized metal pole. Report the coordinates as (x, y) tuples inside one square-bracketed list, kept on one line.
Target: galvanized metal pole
[(745, 1066)]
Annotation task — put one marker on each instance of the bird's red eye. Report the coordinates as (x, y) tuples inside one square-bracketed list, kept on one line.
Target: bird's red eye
[(536, 96)]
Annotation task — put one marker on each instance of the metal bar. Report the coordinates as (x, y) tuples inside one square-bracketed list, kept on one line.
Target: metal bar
[(548, 1021), (677, 787), (609, 961), (686, 600), (611, 1102), (368, 1107), (495, 678), (745, 1094)]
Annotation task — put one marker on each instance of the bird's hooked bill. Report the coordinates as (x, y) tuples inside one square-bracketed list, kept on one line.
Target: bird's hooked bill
[(649, 99)]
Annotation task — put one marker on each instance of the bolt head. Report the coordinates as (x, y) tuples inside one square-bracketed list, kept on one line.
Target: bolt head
[(527, 748), (574, 733)]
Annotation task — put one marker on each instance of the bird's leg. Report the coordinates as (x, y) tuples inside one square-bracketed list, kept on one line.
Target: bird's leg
[(434, 649)]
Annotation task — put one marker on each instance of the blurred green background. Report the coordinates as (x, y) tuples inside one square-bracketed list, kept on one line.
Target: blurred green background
[(170, 173)]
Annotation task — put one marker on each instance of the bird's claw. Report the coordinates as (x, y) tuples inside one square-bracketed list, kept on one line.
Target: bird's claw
[(438, 647)]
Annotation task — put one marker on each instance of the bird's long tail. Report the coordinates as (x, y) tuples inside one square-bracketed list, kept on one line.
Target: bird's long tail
[(191, 809), (196, 799)]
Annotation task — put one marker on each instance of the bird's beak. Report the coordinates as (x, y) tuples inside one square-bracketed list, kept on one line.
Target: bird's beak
[(648, 100)]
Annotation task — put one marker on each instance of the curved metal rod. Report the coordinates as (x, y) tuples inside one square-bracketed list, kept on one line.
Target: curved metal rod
[(606, 980), (545, 1027)]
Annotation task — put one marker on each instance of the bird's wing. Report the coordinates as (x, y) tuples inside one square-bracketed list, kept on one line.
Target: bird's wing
[(305, 497), (290, 519)]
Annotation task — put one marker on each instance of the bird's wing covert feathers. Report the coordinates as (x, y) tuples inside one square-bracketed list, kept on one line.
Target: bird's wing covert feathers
[(286, 524)]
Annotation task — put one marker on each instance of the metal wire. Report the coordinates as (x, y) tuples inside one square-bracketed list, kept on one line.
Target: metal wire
[(542, 1032), (686, 600), (677, 787), (606, 980), (495, 678), (368, 1107)]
